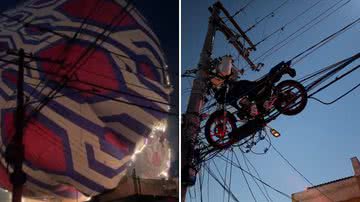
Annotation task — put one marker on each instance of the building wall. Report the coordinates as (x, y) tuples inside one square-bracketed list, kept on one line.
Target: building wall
[(353, 200), (338, 191), (342, 190)]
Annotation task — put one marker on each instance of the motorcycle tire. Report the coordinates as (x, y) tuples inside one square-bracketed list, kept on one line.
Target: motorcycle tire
[(302, 94), (217, 135)]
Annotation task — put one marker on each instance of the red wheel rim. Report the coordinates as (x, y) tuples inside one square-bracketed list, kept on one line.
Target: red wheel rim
[(219, 130)]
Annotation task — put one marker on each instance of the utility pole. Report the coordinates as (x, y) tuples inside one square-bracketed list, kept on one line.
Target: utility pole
[(191, 119), (15, 150), (14, 153)]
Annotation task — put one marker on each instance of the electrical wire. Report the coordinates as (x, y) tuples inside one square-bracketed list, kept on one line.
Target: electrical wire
[(258, 175), (338, 98), (271, 14), (201, 176), (65, 51), (324, 41), (232, 155), (263, 182), (289, 22), (86, 53), (226, 166), (281, 44), (248, 169), (69, 38), (220, 183), (328, 71), (242, 8), (335, 80), (247, 183), (152, 99), (208, 185), (296, 170), (126, 102)]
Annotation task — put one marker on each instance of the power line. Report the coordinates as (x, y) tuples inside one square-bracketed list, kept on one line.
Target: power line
[(293, 167), (232, 155), (247, 166), (336, 79), (271, 50), (126, 102), (91, 84), (226, 167), (118, 55), (338, 98), (247, 183), (64, 52), (261, 181), (86, 53), (69, 38), (221, 184), (324, 41), (121, 101), (243, 8), (123, 92), (201, 176), (271, 14), (282, 28)]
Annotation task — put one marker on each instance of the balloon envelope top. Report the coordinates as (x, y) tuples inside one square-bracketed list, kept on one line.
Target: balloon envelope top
[(96, 94)]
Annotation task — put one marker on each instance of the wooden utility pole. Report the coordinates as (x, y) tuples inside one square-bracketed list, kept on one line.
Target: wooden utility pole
[(191, 119), (14, 154), (15, 150)]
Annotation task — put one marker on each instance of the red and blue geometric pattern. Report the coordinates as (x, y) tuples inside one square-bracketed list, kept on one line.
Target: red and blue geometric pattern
[(82, 141)]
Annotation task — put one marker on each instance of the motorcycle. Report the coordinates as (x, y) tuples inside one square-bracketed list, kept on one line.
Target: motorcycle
[(254, 102)]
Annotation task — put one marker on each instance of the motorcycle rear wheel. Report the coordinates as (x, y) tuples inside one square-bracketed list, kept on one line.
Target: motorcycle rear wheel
[(218, 127), (289, 102)]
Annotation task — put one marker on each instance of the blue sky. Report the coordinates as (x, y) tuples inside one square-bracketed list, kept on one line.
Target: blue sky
[(321, 140)]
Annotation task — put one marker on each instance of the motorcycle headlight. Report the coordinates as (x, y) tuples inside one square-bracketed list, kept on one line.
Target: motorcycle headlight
[(275, 133)]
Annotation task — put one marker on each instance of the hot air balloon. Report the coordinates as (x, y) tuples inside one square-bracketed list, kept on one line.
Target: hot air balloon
[(96, 96)]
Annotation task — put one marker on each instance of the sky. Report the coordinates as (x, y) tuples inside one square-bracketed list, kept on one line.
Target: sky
[(319, 141)]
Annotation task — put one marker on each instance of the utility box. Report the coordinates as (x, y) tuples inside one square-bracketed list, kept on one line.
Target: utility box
[(223, 70)]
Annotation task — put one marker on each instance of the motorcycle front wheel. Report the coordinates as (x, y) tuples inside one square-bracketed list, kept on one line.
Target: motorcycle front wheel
[(218, 127), (292, 97)]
